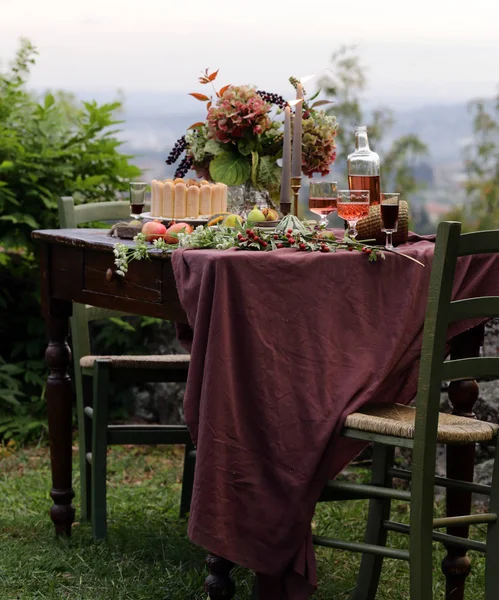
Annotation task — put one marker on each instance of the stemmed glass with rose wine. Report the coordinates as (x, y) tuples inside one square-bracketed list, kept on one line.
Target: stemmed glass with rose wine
[(322, 198), (353, 205)]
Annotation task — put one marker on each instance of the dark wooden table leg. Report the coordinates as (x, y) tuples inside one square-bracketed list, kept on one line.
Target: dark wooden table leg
[(460, 465), (59, 408), (219, 583)]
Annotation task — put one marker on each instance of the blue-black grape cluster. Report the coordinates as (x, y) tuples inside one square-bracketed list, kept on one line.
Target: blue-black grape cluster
[(272, 99), (178, 148), (184, 166)]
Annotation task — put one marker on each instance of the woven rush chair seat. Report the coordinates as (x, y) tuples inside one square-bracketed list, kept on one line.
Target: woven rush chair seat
[(398, 420), (155, 361)]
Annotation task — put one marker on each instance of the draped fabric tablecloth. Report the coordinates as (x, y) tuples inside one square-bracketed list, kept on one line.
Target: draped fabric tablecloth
[(284, 345)]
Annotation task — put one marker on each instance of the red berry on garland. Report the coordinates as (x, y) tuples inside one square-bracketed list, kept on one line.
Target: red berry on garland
[(276, 237), (290, 231), (264, 244), (368, 251), (350, 248), (302, 246), (248, 231), (327, 249), (279, 245), (292, 240)]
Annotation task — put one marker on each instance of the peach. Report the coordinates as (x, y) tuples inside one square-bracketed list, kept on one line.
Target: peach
[(153, 230), (171, 236)]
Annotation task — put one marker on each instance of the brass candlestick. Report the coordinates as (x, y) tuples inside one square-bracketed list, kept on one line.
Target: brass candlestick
[(295, 186)]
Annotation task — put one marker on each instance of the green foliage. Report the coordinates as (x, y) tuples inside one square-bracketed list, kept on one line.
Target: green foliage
[(230, 168), (49, 146), (481, 210), (346, 84)]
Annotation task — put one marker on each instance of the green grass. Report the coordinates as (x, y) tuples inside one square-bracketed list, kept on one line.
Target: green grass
[(148, 555)]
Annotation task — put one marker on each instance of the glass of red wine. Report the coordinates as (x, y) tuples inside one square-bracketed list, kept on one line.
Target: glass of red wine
[(352, 206), (389, 216), (137, 196), (322, 197)]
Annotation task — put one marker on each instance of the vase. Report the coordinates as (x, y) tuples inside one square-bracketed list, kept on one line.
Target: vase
[(242, 198)]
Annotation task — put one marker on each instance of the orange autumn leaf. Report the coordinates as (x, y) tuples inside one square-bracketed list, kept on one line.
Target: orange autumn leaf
[(201, 97), (203, 80), (196, 125), (208, 106), (223, 90), (213, 76)]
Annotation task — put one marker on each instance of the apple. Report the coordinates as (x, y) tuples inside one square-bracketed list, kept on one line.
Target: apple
[(153, 230), (171, 235)]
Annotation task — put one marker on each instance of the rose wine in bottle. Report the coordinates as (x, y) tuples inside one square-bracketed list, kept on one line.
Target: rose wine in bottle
[(363, 167)]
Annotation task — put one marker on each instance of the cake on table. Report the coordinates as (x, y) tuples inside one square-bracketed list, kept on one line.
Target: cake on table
[(179, 199)]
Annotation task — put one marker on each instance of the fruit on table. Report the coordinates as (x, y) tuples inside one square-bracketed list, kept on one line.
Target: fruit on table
[(270, 214), (255, 215), (171, 234), (217, 218), (153, 230), (233, 221)]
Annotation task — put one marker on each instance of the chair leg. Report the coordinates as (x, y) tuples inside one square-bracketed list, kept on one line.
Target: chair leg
[(379, 511), (85, 441), (187, 479), (254, 589), (421, 536), (99, 448), (491, 570)]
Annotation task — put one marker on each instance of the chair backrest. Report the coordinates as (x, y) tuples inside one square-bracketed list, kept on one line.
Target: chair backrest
[(440, 311), (71, 215)]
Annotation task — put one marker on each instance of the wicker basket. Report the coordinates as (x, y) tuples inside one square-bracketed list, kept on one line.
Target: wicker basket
[(370, 227)]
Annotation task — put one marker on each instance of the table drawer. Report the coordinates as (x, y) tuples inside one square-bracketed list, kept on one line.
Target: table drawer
[(142, 282)]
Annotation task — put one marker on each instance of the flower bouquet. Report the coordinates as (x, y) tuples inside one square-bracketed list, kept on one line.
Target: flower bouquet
[(241, 140)]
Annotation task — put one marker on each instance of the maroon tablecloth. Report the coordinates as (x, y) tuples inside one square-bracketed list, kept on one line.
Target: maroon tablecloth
[(285, 345)]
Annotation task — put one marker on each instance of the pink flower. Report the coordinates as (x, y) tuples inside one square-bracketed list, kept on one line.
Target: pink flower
[(238, 111)]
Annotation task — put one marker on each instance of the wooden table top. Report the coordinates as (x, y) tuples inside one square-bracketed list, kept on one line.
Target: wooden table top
[(97, 239)]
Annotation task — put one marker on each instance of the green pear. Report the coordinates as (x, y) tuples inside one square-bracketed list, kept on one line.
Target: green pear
[(255, 215)]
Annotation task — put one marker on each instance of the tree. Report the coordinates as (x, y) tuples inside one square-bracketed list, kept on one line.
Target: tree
[(481, 157), (48, 147), (344, 84)]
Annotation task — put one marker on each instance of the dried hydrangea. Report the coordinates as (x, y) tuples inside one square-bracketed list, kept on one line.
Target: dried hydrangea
[(196, 143), (319, 147), (238, 111)]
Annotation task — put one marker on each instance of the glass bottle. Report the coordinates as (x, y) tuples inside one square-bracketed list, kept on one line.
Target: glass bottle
[(363, 167)]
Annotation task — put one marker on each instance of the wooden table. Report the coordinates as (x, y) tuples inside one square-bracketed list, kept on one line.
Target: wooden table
[(77, 265)]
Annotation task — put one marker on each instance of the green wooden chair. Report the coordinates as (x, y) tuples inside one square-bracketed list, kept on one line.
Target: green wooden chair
[(93, 376), (420, 428)]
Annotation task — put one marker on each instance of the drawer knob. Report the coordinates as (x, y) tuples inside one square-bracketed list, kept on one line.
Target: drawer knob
[(111, 275)]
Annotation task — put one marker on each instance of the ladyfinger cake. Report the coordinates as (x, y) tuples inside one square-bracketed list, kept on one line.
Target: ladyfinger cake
[(179, 199)]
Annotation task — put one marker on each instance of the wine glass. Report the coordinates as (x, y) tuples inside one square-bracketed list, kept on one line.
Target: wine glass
[(137, 196), (389, 216), (352, 206), (322, 198)]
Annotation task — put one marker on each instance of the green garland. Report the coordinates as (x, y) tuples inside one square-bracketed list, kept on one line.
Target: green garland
[(303, 237)]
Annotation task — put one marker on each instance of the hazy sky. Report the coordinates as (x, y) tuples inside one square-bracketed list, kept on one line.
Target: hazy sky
[(441, 49)]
